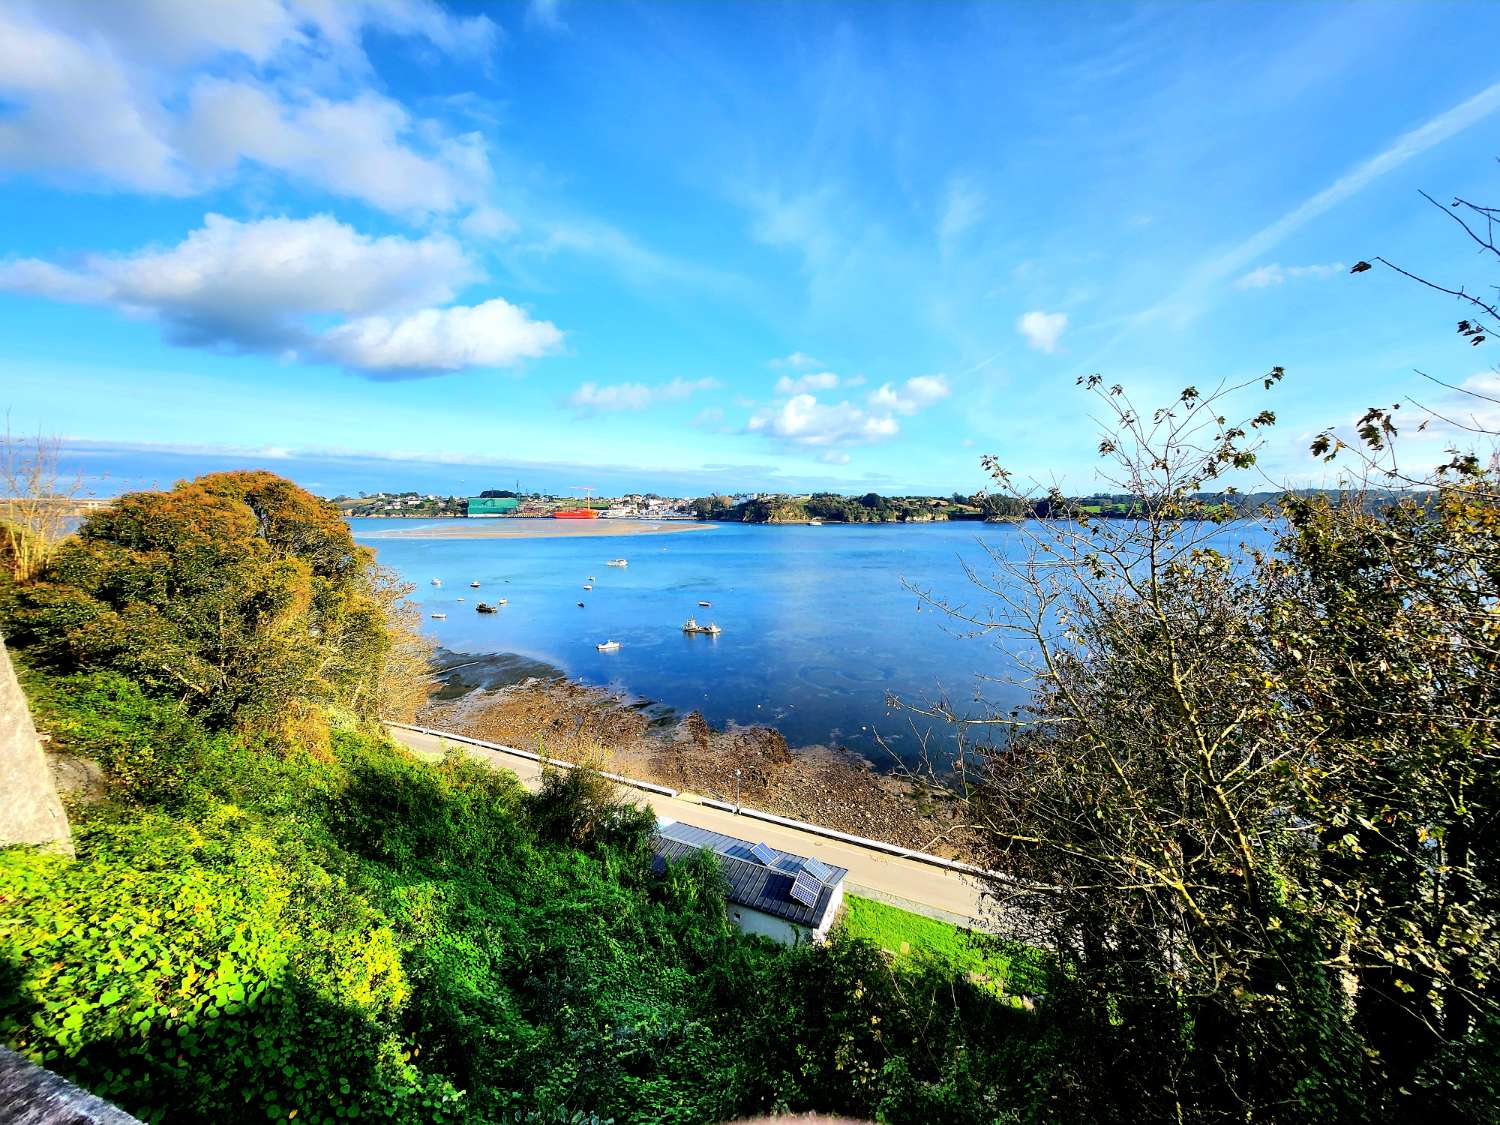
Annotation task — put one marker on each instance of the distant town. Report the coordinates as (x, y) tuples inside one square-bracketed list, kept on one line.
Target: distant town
[(755, 507)]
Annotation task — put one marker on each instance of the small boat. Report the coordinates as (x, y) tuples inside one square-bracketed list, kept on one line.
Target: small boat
[(460, 599), (691, 626), (502, 601), (705, 605), (485, 607), (474, 584), (814, 523), (439, 616), (580, 605), (608, 646), (587, 586), (437, 581), (592, 578), (618, 562)]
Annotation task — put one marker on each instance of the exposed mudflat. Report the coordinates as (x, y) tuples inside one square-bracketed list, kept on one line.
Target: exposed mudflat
[(530, 527), (532, 706)]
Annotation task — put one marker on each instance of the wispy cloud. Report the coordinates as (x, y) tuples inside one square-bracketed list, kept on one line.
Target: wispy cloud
[(797, 361), (963, 207), (815, 381), (1186, 301), (1275, 274), (616, 398)]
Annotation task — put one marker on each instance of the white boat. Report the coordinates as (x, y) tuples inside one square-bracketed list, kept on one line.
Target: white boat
[(691, 626), (474, 584), (814, 523), (592, 578), (608, 646), (618, 562), (502, 601), (437, 581), (587, 586), (439, 616), (705, 605)]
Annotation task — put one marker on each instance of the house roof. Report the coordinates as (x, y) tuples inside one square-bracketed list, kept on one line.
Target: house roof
[(759, 886)]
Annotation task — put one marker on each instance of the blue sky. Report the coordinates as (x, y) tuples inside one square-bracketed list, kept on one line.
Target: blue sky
[(687, 247)]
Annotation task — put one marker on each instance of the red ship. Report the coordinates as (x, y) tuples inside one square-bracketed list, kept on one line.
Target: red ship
[(584, 513)]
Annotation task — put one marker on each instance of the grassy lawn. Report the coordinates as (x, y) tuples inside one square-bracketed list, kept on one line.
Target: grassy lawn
[(1004, 967)]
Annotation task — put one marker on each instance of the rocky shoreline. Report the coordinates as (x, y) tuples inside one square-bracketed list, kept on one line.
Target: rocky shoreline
[(532, 707)]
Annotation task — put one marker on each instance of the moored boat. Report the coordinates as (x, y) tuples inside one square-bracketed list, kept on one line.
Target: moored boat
[(608, 646), (439, 616), (474, 584), (705, 605), (617, 562), (691, 626), (437, 581), (485, 607)]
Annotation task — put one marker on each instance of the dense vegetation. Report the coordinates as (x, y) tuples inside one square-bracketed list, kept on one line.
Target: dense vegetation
[(1254, 803), (270, 919)]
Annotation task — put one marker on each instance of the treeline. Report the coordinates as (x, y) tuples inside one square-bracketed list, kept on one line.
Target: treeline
[(830, 507)]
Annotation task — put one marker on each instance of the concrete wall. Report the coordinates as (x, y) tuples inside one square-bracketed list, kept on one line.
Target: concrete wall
[(767, 925), (30, 811), (835, 901)]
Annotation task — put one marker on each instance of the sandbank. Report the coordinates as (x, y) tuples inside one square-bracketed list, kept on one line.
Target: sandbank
[(524, 527)]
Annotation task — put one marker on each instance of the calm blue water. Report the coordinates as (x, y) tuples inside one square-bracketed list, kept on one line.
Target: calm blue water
[(818, 626)]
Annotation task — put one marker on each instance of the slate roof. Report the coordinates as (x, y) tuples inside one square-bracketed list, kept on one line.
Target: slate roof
[(752, 884)]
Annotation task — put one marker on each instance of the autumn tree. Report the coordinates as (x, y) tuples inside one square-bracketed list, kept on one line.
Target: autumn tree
[(239, 593)]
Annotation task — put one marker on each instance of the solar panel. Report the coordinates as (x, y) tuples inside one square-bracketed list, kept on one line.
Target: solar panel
[(805, 889), (763, 854), (817, 869)]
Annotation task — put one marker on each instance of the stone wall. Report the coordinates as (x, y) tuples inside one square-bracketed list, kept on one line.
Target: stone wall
[(30, 1095), (30, 811)]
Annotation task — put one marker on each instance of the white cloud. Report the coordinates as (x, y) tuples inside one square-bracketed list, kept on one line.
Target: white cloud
[(910, 396), (797, 361), (359, 148), (804, 421), (546, 13), (102, 95), (1274, 274), (819, 381), (269, 286), (1042, 329), (488, 222), (250, 285), (433, 341), (611, 398)]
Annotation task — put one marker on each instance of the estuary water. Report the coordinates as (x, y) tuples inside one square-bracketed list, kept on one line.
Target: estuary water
[(820, 625)]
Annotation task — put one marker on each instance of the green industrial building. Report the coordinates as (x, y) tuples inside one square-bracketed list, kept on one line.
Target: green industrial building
[(484, 506)]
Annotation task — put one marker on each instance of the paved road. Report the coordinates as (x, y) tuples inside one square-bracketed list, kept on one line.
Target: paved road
[(901, 882)]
